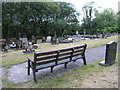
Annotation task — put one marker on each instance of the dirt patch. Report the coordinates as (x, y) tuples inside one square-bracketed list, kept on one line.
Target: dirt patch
[(106, 79)]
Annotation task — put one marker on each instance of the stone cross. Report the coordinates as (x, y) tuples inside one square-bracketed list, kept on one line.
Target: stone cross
[(111, 49)]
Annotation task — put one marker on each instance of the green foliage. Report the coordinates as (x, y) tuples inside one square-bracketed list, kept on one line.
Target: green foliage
[(102, 22), (105, 21), (39, 19), (88, 10)]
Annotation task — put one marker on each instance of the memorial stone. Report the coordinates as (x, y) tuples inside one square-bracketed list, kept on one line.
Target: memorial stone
[(111, 49), (24, 42), (49, 39)]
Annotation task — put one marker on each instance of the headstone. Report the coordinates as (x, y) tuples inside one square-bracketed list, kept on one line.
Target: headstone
[(111, 49), (24, 42), (48, 39), (35, 46), (19, 44), (70, 39), (13, 45), (29, 49), (53, 40), (33, 39), (57, 41), (5, 49), (43, 39)]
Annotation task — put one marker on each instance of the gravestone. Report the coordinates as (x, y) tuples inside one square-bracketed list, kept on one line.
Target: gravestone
[(53, 40), (111, 49), (43, 39), (19, 44), (34, 41), (29, 49), (24, 42), (48, 39)]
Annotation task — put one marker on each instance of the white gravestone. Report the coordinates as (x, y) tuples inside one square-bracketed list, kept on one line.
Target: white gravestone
[(48, 39)]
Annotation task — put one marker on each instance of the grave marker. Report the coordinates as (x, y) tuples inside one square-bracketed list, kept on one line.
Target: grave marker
[(111, 49), (24, 42), (48, 39)]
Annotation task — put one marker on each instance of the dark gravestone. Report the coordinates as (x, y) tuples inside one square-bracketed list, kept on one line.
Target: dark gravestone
[(34, 41), (43, 39), (111, 49)]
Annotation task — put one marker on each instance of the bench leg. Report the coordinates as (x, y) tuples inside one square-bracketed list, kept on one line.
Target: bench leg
[(34, 76), (51, 69), (66, 65), (84, 60), (28, 67)]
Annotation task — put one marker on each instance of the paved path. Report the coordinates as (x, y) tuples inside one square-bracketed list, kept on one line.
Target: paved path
[(18, 73)]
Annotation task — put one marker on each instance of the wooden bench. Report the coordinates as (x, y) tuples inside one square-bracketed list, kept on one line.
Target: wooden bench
[(42, 60)]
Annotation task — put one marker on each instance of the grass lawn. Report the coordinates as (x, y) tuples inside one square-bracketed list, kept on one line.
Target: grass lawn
[(72, 79)]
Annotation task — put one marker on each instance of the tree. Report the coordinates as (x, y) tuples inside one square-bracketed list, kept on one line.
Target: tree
[(105, 21), (39, 19), (88, 11)]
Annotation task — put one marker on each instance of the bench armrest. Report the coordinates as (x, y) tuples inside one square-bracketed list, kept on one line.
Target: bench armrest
[(30, 59)]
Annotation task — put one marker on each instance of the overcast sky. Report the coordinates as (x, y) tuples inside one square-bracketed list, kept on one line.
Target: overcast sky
[(99, 3), (103, 4)]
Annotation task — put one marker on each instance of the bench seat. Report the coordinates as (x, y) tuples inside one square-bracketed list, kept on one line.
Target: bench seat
[(63, 61), (45, 66), (77, 58)]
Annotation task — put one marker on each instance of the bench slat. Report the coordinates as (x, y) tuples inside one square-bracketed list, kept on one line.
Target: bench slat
[(76, 58), (77, 47), (45, 53), (45, 66), (45, 62), (76, 51), (46, 57), (64, 50), (63, 61), (76, 54), (62, 58), (65, 53)]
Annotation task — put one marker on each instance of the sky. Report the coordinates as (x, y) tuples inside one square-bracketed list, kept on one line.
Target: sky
[(99, 3), (102, 4)]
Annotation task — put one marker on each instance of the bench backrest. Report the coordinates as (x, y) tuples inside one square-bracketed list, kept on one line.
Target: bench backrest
[(46, 57), (65, 54), (79, 50)]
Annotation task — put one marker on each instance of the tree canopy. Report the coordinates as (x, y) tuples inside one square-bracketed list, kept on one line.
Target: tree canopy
[(98, 22), (50, 18), (39, 19)]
